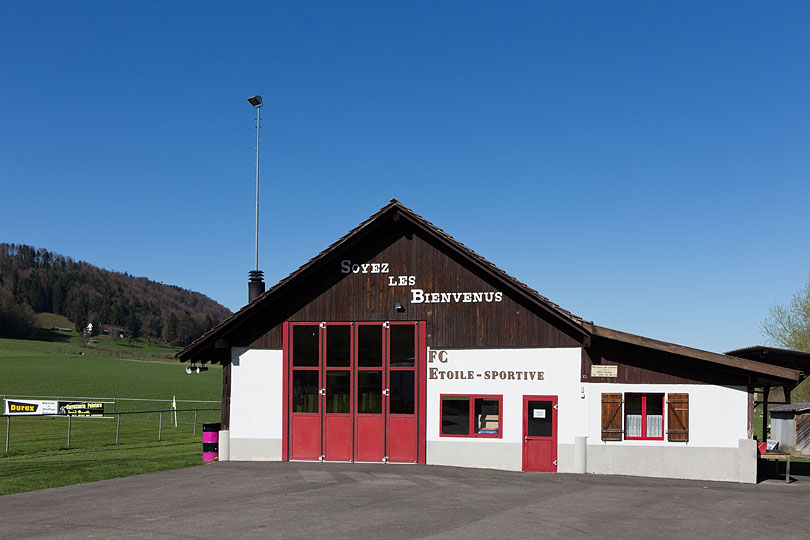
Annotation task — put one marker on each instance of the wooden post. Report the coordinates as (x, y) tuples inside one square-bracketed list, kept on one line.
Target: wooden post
[(751, 406), (117, 426), (765, 391), (8, 426), (195, 422), (160, 425), (787, 389)]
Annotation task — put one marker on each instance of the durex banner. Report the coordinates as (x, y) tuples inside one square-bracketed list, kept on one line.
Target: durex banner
[(30, 407)]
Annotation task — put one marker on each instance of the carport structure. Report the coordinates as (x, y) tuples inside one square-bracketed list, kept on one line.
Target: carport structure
[(786, 358)]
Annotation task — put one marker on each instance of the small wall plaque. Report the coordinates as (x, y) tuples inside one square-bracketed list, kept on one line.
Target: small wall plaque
[(604, 371)]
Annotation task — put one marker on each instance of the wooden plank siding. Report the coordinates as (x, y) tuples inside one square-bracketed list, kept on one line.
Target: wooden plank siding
[(329, 295), (644, 366)]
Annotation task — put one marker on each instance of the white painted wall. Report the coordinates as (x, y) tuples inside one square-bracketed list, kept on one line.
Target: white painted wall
[(718, 415), (257, 380), (561, 372)]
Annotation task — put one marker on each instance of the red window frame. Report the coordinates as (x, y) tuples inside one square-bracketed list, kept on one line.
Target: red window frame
[(644, 396), (471, 427)]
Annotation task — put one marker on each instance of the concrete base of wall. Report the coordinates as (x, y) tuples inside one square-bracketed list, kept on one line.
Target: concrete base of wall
[(255, 449), (484, 454), (689, 463), (224, 445), (565, 458), (685, 462), (580, 455), (748, 461)]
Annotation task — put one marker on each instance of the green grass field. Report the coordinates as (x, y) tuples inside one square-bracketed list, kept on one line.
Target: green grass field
[(43, 368), (66, 367)]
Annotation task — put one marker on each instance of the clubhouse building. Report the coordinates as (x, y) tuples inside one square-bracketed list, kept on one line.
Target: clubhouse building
[(398, 344)]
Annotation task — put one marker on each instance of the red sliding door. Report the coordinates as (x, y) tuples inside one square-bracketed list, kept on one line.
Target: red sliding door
[(354, 391)]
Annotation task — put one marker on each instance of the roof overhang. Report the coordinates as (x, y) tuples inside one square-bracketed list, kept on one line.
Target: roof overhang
[(760, 372), (788, 358)]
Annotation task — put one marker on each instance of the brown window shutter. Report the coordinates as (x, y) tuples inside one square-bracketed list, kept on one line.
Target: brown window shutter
[(612, 417), (678, 417)]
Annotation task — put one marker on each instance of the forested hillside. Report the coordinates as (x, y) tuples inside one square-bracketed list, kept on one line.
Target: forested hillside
[(36, 280)]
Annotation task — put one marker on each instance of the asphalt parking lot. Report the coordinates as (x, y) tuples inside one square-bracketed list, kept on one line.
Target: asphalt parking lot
[(237, 500)]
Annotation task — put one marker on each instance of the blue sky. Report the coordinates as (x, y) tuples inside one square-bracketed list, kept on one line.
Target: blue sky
[(644, 164)]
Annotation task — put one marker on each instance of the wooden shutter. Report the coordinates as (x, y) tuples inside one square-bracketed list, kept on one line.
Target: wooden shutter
[(678, 417), (612, 417)]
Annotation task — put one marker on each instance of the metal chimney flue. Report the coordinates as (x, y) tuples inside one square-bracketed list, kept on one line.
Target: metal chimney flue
[(255, 284)]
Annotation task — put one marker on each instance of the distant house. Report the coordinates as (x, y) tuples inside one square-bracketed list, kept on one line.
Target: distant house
[(110, 330)]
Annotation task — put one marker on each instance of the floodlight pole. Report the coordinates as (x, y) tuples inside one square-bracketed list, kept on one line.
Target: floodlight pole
[(258, 128), (256, 281)]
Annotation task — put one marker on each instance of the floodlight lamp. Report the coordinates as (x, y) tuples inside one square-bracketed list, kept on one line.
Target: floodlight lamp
[(188, 370), (256, 101)]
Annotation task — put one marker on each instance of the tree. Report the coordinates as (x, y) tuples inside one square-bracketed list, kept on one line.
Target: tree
[(16, 320), (81, 323), (171, 327), (789, 326), (96, 327), (154, 327), (133, 326)]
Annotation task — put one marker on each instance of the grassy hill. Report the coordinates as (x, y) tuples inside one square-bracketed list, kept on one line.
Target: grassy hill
[(35, 280), (101, 345)]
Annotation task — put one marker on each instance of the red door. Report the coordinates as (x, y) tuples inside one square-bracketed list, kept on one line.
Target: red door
[(337, 393), (305, 392), (355, 392), (370, 437), (540, 433), (400, 395)]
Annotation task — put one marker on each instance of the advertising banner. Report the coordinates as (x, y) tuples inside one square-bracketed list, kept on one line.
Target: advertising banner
[(30, 407), (34, 407), (80, 408)]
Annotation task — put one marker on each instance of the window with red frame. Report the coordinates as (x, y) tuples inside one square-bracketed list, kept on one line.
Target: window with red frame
[(471, 416), (644, 416)]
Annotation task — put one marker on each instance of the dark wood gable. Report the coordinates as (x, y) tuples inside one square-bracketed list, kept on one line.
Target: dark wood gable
[(395, 252), (398, 262)]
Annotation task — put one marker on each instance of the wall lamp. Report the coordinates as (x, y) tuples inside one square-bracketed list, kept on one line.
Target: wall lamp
[(399, 308)]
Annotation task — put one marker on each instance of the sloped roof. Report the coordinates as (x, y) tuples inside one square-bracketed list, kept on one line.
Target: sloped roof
[(204, 349), (792, 407), (763, 369), (772, 355), (397, 211)]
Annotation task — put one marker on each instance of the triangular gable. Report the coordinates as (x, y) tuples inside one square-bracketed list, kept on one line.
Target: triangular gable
[(214, 346), (204, 349)]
